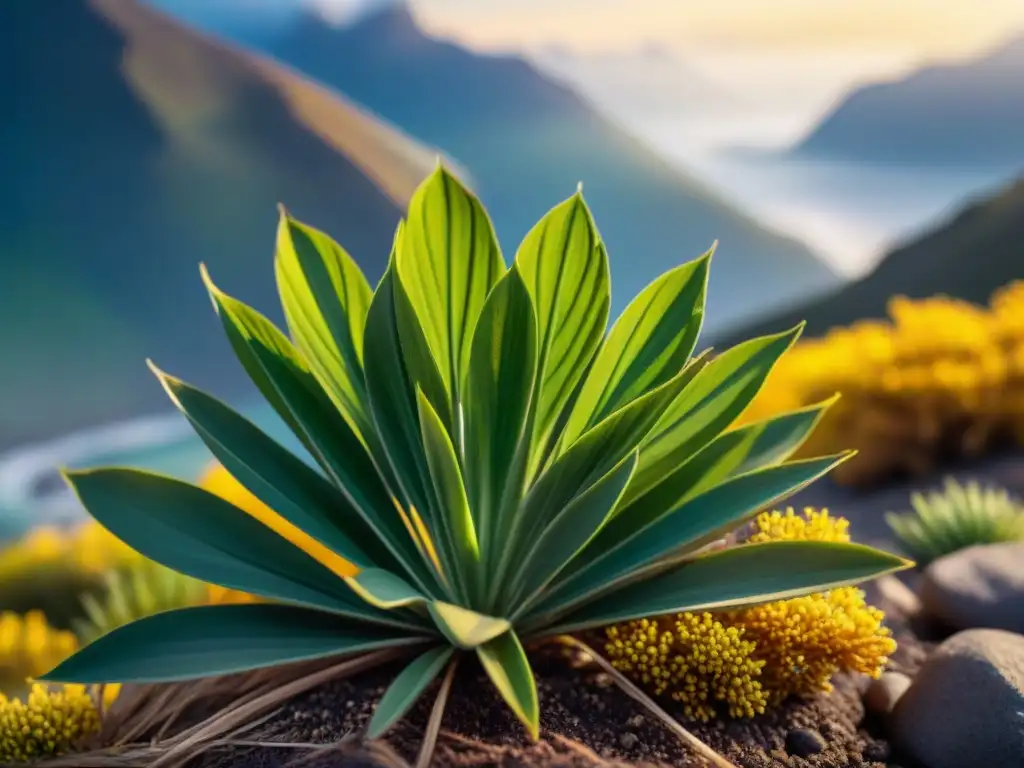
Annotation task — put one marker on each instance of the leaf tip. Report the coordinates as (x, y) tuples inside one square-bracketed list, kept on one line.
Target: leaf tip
[(168, 382), (579, 188), (211, 288)]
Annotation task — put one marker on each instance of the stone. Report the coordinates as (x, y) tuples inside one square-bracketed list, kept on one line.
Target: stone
[(883, 693), (893, 596), (876, 752), (628, 740), (804, 742), (981, 586), (965, 707)]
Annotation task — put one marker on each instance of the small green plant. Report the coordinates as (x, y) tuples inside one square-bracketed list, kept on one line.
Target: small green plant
[(500, 467), (133, 592), (956, 517)]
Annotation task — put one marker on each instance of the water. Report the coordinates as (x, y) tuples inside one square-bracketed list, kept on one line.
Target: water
[(32, 491)]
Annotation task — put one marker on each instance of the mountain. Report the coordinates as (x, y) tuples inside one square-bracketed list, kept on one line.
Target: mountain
[(132, 149), (967, 257), (955, 114), (527, 141)]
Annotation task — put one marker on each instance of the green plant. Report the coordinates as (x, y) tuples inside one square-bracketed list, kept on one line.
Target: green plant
[(501, 469), (138, 590), (956, 517)]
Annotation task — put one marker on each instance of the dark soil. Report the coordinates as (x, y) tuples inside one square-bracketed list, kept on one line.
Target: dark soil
[(586, 721)]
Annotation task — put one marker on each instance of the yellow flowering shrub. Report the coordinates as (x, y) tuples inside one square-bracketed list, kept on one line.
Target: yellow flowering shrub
[(47, 723), (940, 378), (741, 662)]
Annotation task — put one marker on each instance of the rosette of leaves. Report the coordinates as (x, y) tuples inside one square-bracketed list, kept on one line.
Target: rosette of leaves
[(957, 517), (499, 466)]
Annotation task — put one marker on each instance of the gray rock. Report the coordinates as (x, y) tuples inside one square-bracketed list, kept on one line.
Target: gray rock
[(965, 708), (981, 586), (883, 693)]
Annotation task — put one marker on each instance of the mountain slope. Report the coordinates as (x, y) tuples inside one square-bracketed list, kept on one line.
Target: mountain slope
[(967, 257), (139, 151), (957, 114), (527, 141)]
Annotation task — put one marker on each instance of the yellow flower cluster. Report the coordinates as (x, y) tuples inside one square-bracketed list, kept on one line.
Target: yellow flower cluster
[(694, 659), (746, 660), (46, 724), (940, 377), (29, 646)]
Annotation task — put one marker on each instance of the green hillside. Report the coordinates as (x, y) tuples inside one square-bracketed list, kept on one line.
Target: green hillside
[(133, 149), (977, 250)]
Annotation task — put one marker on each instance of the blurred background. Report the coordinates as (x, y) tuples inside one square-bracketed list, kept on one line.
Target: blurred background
[(842, 153)]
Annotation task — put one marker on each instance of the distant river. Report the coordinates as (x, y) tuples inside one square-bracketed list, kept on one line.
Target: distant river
[(33, 493)]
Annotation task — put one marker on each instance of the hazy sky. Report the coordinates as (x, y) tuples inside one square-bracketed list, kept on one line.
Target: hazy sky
[(928, 28)]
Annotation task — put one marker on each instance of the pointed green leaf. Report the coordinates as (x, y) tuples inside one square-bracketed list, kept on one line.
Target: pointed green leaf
[(738, 576), (406, 689), (277, 477), (572, 529), (325, 298), (214, 640), (586, 462), (466, 629), (383, 589), (285, 379), (420, 366), (648, 345), (499, 391), (448, 262), (199, 534), (251, 334), (565, 269), (736, 452), (620, 551), (393, 398), (719, 394), (505, 662), (454, 523)]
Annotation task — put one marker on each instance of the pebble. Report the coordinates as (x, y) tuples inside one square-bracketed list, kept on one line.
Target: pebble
[(883, 693), (981, 586), (628, 740), (965, 707), (804, 742), (876, 752)]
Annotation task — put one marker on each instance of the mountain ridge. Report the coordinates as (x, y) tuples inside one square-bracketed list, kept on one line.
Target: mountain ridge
[(147, 149), (964, 113)]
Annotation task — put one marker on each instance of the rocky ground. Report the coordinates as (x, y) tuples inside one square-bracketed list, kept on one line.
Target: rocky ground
[(952, 697)]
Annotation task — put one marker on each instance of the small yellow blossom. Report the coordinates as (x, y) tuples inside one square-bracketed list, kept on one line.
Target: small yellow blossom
[(746, 660), (49, 722)]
